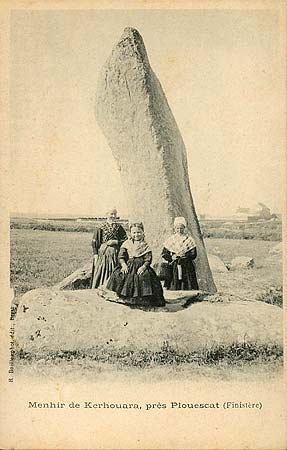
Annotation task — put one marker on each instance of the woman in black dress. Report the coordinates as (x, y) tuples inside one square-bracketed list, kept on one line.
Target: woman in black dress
[(134, 280), (106, 242), (180, 251)]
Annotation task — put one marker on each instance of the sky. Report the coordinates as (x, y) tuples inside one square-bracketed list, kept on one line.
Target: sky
[(218, 69)]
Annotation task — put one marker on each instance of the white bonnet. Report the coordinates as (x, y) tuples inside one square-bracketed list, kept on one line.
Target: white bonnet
[(179, 221)]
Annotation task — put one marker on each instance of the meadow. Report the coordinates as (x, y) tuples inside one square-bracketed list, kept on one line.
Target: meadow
[(43, 258), (264, 230), (44, 252)]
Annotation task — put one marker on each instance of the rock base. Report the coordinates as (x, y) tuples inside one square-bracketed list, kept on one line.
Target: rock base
[(50, 321)]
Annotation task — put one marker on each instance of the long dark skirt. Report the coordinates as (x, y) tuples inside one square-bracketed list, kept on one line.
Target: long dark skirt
[(106, 263), (188, 281), (144, 289)]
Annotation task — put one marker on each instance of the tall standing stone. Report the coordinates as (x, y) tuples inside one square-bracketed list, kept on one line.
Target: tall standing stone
[(132, 110)]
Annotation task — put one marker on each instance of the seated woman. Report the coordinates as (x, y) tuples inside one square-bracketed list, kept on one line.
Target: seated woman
[(134, 280), (106, 242), (180, 251)]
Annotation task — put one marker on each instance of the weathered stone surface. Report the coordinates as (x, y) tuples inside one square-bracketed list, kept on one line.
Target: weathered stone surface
[(175, 300), (80, 279), (216, 264), (133, 112), (276, 250), (242, 262), (50, 321)]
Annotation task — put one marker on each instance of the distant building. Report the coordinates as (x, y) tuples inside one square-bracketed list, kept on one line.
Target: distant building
[(98, 218), (263, 212)]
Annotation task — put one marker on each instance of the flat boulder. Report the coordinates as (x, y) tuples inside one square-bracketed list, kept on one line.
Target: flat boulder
[(276, 250), (242, 262), (216, 264), (50, 322), (80, 279)]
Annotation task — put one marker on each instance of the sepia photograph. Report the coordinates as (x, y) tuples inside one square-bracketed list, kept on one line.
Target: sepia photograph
[(146, 204)]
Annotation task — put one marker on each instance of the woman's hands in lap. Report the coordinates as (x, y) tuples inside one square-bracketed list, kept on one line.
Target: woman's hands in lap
[(141, 270), (124, 269), (112, 242)]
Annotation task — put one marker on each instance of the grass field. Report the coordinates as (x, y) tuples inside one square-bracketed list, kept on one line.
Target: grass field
[(89, 370), (264, 230), (248, 283), (43, 258)]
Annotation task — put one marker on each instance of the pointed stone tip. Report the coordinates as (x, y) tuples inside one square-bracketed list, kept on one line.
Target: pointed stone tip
[(131, 32), (132, 35), (131, 40)]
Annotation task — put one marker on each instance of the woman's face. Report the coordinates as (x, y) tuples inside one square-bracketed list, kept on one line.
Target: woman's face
[(111, 216), (179, 229), (137, 233)]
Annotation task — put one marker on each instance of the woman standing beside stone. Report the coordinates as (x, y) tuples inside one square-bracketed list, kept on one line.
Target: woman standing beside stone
[(106, 242), (180, 251)]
